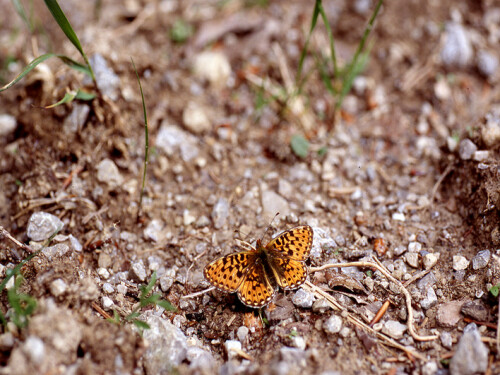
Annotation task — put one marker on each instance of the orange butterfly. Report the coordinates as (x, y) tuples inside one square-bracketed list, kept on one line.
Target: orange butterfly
[(256, 273)]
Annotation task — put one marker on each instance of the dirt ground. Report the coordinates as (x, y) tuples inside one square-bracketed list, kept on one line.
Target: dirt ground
[(408, 173)]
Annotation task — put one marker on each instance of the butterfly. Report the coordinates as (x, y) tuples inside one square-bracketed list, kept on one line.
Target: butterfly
[(255, 274)]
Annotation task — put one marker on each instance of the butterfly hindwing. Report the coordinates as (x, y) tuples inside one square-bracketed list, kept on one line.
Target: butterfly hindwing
[(256, 290), (289, 273)]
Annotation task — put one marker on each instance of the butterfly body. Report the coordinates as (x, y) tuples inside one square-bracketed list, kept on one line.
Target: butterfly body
[(256, 274)]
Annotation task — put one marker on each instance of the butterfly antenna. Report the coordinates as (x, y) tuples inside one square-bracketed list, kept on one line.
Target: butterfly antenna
[(271, 223)]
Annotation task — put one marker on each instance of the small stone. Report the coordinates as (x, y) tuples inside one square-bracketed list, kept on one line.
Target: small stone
[(430, 368), (122, 289), (242, 333), (57, 250), (213, 66), (430, 299), (356, 195), (333, 324), (481, 259), (172, 140), (220, 213), (481, 155), (108, 172), (42, 225), (476, 310), (233, 348), (77, 246), (34, 348), (430, 259), (200, 359), (104, 273), (412, 259), (285, 188), (448, 314), (303, 299), (107, 81), (167, 347), (398, 216), (394, 329), (76, 119), (108, 288), (299, 342), (460, 263), (414, 247), (362, 7), (154, 230), (273, 203), (167, 280), (188, 218), (320, 306), (487, 63), (452, 143), (154, 263), (490, 132), (195, 118), (466, 149), (58, 287), (471, 355), (107, 303), (399, 250), (138, 271), (446, 339), (457, 49), (203, 221), (8, 124), (442, 90), (6, 341), (104, 260)]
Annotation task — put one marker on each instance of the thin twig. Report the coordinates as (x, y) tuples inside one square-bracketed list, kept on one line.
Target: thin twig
[(192, 295), (311, 287), (5, 233), (382, 269), (100, 310)]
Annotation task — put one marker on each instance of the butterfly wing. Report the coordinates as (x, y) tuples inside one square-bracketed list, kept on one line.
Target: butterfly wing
[(293, 244), (289, 273), (228, 272), (256, 290)]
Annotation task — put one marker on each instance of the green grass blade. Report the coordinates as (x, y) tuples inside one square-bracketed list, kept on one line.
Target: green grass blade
[(75, 65), (314, 20), (146, 142), (325, 77), (63, 23), (351, 74), (20, 10), (68, 98), (65, 26), (141, 324), (40, 59), (354, 64), (300, 145), (166, 305), (84, 95), (28, 69), (330, 37)]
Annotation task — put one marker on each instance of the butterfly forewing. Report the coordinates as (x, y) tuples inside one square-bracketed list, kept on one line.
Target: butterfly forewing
[(256, 290), (294, 244), (227, 273)]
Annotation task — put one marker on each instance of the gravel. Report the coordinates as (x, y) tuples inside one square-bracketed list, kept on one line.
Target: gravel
[(42, 225), (471, 355)]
